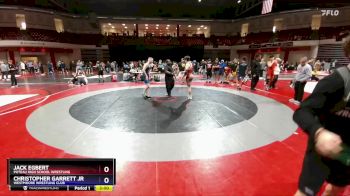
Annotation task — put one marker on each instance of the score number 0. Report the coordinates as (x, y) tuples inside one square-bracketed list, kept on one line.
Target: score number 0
[(106, 170)]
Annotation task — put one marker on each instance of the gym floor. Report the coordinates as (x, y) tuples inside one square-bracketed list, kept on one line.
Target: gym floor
[(223, 142)]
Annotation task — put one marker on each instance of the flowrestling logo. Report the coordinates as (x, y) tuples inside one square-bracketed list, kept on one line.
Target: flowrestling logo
[(330, 12)]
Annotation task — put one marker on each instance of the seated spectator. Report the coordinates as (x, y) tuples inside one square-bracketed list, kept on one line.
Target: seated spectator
[(316, 70)]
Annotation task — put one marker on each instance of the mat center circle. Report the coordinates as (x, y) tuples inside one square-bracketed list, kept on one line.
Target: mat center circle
[(126, 110)]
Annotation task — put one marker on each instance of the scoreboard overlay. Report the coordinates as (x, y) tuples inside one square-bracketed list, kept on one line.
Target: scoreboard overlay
[(61, 174)]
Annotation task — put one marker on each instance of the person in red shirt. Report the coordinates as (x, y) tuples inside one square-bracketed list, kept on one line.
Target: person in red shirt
[(271, 65)]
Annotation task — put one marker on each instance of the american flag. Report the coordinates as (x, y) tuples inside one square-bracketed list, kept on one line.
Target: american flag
[(267, 6)]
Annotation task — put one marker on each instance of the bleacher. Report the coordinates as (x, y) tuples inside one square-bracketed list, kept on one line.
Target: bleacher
[(12, 33), (332, 51)]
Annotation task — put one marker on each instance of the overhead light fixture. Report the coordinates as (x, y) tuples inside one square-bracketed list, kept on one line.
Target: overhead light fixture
[(167, 28), (134, 24), (112, 27), (202, 26), (23, 26), (189, 25), (157, 28), (157, 25), (198, 29), (109, 24), (274, 29), (123, 24), (168, 25), (239, 1), (146, 25), (205, 27), (199, 1)]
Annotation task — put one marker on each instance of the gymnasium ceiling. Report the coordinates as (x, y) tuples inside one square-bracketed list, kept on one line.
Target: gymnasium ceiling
[(205, 9)]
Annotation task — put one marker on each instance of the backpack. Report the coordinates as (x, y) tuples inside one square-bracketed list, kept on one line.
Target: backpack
[(344, 72)]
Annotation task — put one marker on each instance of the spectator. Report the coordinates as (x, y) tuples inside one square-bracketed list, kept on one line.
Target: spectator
[(242, 72), (79, 66), (31, 67), (23, 67), (316, 70), (209, 69), (62, 66), (108, 67), (89, 68), (327, 66), (68, 67), (222, 66), (13, 71), (100, 69), (41, 68), (271, 65), (50, 67), (4, 67), (304, 73), (276, 73), (36, 67), (113, 66), (255, 71), (216, 69), (71, 66)]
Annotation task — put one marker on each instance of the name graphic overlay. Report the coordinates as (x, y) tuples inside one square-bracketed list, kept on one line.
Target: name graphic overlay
[(61, 174)]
